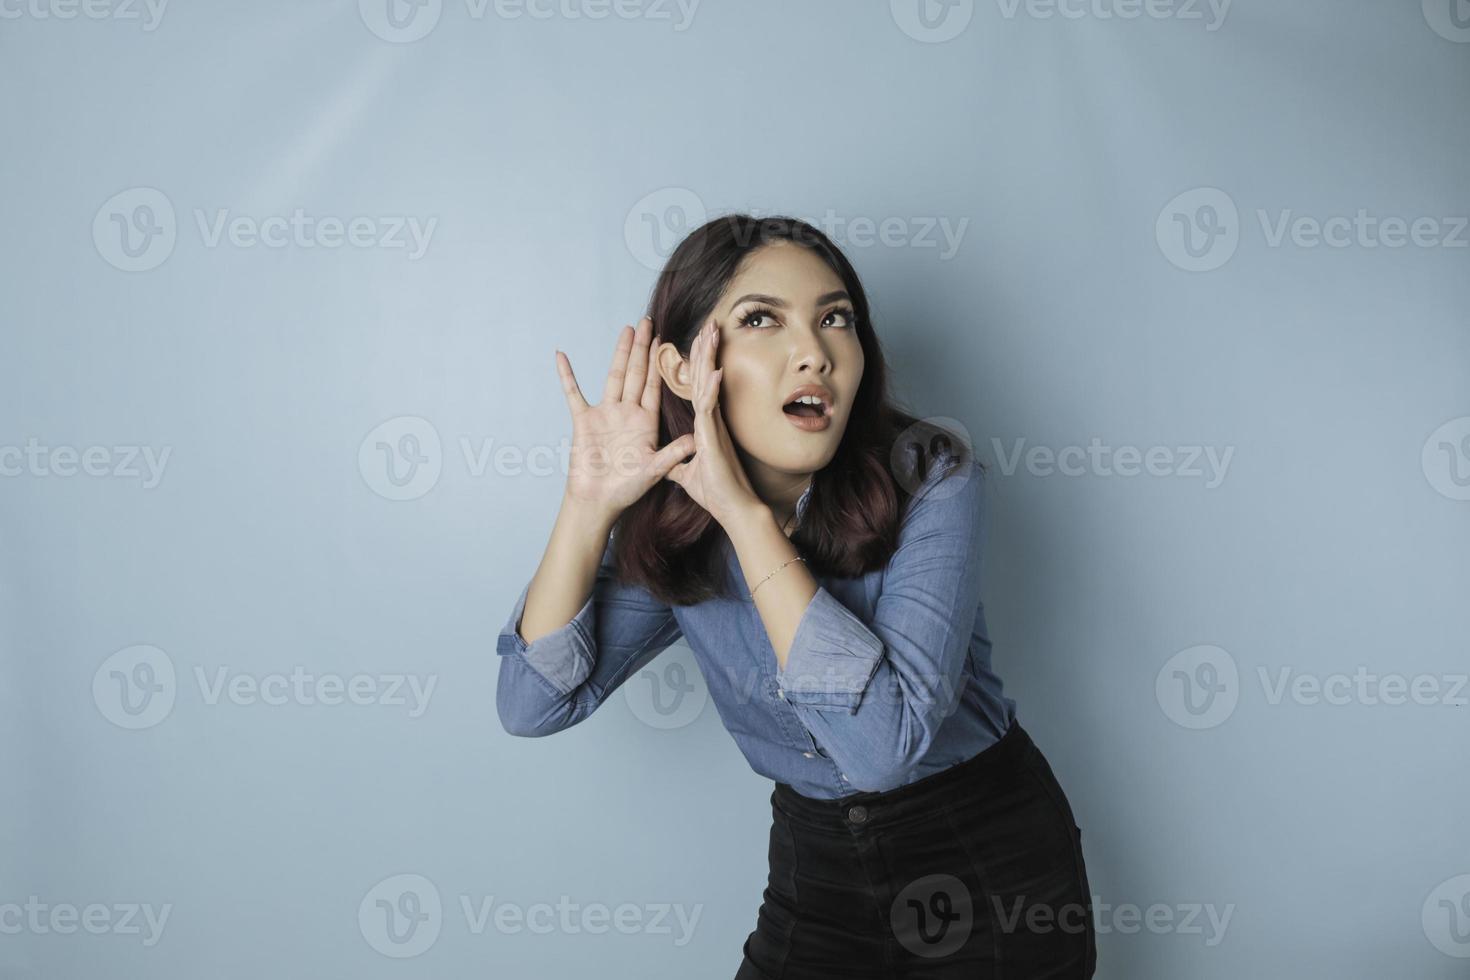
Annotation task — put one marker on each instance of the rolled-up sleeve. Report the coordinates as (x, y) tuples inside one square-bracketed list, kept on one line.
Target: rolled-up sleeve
[(875, 694), (562, 658), (560, 678), (832, 659)]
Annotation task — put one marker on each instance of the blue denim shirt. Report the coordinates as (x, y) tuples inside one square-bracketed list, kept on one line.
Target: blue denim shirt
[(888, 678)]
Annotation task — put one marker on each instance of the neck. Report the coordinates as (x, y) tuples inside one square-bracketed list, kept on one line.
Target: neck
[(779, 491)]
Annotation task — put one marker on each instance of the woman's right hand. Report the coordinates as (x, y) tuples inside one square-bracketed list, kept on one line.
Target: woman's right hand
[(615, 454)]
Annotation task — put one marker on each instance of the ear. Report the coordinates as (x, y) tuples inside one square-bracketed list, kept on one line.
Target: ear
[(674, 368)]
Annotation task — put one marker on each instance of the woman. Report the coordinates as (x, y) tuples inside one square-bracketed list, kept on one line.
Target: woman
[(820, 551)]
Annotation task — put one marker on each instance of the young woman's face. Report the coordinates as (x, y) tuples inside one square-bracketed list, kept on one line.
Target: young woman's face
[(786, 321)]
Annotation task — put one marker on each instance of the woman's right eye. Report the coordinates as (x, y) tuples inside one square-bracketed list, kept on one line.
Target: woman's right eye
[(750, 319)]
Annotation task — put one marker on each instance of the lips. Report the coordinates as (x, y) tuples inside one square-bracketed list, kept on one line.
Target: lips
[(819, 391), (809, 418)]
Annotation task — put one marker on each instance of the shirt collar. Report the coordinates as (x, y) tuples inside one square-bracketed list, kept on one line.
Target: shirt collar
[(802, 502)]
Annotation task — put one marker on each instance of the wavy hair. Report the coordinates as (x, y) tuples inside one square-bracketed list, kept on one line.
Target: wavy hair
[(671, 546)]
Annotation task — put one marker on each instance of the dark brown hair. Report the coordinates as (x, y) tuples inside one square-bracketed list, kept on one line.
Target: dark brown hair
[(670, 545)]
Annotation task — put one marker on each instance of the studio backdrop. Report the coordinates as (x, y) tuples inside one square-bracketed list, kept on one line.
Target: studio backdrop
[(282, 439)]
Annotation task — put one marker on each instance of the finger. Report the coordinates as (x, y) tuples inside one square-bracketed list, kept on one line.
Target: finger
[(711, 399), (613, 390), (678, 473), (653, 390), (717, 380), (709, 338), (575, 402), (723, 429), (705, 413), (695, 362), (638, 362), (672, 455)]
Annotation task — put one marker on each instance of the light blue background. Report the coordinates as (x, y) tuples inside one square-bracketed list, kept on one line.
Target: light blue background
[(546, 149)]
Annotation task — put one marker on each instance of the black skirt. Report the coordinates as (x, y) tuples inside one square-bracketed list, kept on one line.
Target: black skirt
[(973, 872)]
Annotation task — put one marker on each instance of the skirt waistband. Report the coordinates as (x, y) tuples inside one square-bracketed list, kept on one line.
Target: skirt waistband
[(911, 798)]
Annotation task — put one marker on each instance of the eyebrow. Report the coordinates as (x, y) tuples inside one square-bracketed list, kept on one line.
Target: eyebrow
[(776, 301)]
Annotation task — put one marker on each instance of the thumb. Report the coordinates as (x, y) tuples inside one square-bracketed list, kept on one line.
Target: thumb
[(678, 475), (672, 454)]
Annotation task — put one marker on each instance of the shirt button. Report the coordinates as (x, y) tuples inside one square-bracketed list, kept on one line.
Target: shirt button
[(780, 694), (809, 755), (857, 814)]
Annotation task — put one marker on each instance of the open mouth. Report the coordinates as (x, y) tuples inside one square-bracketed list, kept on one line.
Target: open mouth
[(811, 413), (804, 410)]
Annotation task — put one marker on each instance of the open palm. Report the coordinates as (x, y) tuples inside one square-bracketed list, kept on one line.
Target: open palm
[(615, 452)]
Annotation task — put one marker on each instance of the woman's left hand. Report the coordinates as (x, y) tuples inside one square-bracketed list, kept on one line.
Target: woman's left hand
[(713, 477)]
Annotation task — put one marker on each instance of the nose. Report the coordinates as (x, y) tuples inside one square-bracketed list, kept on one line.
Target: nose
[(810, 352)]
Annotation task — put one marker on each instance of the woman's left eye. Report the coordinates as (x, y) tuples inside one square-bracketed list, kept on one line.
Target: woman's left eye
[(845, 315)]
